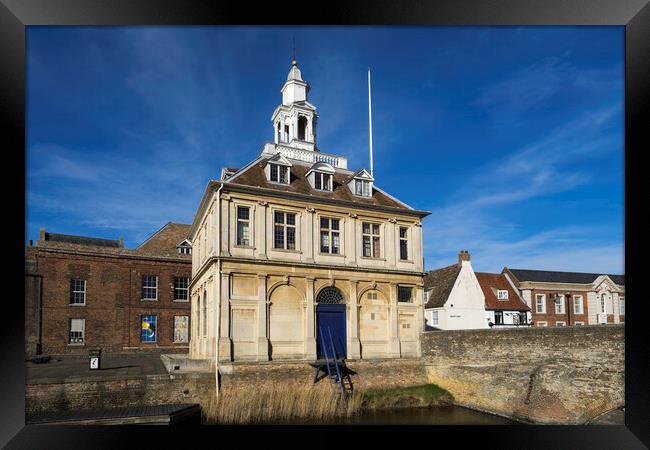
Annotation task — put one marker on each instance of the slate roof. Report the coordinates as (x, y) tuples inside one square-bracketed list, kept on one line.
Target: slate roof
[(161, 244), (254, 176), (164, 241), (492, 282), (441, 282), (545, 276), (83, 240)]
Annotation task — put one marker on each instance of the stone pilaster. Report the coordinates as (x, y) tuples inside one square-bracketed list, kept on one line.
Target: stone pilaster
[(225, 343), (393, 336), (262, 333), (260, 230), (310, 316), (354, 346), (226, 205), (312, 239)]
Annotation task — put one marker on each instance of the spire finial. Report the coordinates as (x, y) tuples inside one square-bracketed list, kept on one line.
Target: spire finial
[(293, 59)]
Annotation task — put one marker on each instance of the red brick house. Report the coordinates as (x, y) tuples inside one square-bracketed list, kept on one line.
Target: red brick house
[(570, 298), (84, 292), (503, 305)]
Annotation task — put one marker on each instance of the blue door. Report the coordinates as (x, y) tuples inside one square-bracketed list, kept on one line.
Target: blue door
[(331, 319)]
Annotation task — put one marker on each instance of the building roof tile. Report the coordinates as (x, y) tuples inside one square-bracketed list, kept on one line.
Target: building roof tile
[(440, 282), (491, 283)]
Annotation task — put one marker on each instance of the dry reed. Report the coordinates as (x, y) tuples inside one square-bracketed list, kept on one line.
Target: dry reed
[(279, 404)]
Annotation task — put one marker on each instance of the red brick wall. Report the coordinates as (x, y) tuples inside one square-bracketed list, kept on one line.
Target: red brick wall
[(569, 317), (113, 301)]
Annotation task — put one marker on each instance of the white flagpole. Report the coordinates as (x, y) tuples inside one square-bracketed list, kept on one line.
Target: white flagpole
[(370, 120)]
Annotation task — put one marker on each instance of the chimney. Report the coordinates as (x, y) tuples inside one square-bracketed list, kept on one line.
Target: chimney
[(41, 234), (121, 241), (463, 255)]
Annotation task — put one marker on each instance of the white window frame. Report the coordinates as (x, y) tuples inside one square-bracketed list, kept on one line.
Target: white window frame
[(83, 332), (558, 322), (581, 309), (280, 171), (579, 323), (73, 291), (621, 306), (319, 180), (435, 320), (542, 323), (142, 287), (247, 222), (543, 298), (561, 303), (186, 289), (365, 191), (371, 235), (330, 234), (501, 296)]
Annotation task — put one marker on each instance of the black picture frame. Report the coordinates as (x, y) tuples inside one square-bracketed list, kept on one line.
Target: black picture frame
[(15, 15)]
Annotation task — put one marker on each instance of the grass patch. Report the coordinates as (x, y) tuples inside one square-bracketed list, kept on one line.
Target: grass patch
[(423, 396)]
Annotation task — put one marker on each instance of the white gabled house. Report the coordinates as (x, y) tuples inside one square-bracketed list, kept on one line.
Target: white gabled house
[(455, 300)]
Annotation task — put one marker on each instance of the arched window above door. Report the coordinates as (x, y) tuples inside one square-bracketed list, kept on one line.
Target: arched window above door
[(330, 295)]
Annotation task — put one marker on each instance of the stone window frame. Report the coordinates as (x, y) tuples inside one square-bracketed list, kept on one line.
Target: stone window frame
[(406, 239), (578, 323), (248, 221), (542, 323), (411, 289), (372, 235), (340, 232), (582, 304), (74, 291), (297, 229), (558, 322), (543, 298), (83, 332), (621, 306)]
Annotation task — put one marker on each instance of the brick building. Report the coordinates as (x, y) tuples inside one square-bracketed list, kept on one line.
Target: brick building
[(503, 305), (84, 292), (570, 298)]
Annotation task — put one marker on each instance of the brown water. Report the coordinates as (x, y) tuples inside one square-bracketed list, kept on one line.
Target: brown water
[(442, 415)]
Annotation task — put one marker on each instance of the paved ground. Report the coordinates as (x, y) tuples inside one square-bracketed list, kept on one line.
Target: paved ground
[(71, 368)]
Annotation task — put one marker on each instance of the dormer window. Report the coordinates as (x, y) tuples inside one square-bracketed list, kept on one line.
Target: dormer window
[(278, 170), (184, 248), (361, 183), (323, 181), (279, 174), (362, 188), (321, 176)]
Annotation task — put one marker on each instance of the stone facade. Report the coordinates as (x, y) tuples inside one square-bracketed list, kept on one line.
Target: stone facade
[(541, 375), (113, 304), (255, 300)]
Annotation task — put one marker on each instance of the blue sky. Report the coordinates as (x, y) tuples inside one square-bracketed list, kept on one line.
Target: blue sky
[(513, 137)]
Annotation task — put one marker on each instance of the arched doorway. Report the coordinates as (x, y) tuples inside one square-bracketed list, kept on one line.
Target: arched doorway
[(330, 323)]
